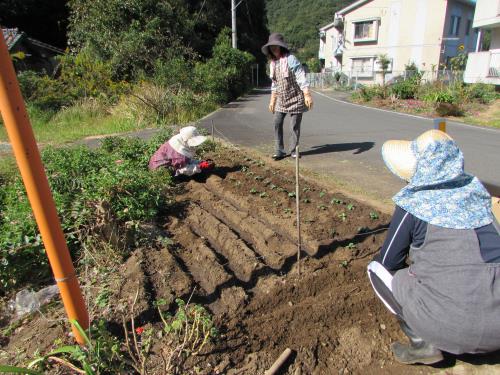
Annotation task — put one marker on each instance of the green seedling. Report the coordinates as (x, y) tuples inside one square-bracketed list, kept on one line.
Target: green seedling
[(322, 207), (291, 194), (244, 168), (287, 210), (350, 207), (336, 201), (263, 194), (273, 187), (351, 246), (343, 216), (306, 200), (306, 189), (322, 194), (344, 264), (373, 215), (253, 191), (261, 163)]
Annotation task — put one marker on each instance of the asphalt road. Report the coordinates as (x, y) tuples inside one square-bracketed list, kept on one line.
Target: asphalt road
[(344, 140)]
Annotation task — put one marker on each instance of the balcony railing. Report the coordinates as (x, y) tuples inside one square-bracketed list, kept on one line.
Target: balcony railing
[(494, 69), (483, 67)]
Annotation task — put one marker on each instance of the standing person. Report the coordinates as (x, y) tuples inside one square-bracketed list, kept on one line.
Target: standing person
[(289, 92), (448, 299), (178, 154)]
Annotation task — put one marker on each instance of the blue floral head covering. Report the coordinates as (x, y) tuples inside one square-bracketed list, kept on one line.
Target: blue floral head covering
[(440, 192)]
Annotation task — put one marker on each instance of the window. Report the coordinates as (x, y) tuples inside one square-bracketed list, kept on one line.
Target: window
[(362, 67), (455, 25), (469, 24), (366, 31)]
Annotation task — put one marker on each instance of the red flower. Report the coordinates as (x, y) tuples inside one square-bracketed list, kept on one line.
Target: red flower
[(139, 330)]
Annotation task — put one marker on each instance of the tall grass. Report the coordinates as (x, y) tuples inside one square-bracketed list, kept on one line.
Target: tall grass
[(85, 118)]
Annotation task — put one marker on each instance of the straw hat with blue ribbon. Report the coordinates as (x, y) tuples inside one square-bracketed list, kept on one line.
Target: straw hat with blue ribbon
[(438, 191)]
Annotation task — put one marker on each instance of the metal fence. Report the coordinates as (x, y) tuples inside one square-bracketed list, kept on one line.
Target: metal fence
[(352, 79)]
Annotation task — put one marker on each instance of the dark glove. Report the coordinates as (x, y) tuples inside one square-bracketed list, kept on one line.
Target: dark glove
[(206, 165)]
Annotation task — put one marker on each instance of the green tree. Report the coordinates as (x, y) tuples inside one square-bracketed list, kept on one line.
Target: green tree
[(384, 62), (132, 35), (226, 75), (299, 21)]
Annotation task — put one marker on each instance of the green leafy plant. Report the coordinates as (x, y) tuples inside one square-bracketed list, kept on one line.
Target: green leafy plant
[(351, 207), (187, 332), (101, 354), (373, 215), (336, 201), (342, 216), (263, 194), (90, 188), (322, 194), (254, 191), (322, 207), (306, 200), (291, 194), (351, 246)]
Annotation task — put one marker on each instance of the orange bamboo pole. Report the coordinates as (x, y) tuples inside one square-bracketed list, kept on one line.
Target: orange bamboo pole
[(28, 159)]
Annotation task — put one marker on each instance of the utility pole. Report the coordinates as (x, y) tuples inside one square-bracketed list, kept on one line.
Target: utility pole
[(233, 23)]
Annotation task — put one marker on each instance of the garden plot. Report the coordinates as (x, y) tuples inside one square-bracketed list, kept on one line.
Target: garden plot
[(230, 244)]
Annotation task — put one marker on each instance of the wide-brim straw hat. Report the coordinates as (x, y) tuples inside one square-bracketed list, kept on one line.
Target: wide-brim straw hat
[(191, 137), (275, 39), (400, 157)]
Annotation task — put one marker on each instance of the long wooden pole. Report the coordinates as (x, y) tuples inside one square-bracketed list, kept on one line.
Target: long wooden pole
[(30, 165), (297, 201), (279, 362)]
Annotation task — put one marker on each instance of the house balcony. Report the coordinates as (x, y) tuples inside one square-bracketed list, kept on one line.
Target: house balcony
[(483, 67)]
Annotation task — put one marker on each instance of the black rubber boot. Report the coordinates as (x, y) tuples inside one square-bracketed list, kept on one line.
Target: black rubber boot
[(417, 352)]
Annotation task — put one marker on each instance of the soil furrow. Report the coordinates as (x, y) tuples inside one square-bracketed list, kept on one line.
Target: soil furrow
[(199, 259), (286, 230), (241, 258), (273, 248)]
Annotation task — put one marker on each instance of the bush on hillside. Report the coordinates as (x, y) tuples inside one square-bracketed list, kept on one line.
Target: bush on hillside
[(226, 75)]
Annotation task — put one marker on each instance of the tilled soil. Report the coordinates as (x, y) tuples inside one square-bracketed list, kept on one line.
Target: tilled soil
[(233, 244)]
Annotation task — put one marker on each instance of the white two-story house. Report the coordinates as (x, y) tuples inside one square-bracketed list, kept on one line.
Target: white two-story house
[(484, 66), (427, 33)]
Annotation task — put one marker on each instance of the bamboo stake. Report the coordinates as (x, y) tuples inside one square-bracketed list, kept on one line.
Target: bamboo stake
[(297, 200), (212, 130), (279, 362)]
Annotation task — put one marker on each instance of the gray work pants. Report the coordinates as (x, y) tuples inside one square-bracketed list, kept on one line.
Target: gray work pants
[(295, 120)]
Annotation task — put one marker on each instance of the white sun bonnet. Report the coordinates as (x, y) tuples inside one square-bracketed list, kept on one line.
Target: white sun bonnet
[(191, 137)]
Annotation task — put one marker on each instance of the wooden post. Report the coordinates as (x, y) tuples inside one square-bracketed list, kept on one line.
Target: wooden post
[(297, 201), (440, 124), (30, 165), (212, 130), (279, 362)]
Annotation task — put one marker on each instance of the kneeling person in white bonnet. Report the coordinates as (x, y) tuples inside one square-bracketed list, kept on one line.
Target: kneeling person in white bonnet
[(178, 154)]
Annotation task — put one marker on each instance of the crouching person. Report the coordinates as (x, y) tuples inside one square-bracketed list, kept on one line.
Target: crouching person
[(448, 299), (178, 154)]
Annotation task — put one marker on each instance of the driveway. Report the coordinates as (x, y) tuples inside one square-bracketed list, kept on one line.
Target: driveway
[(344, 140)]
